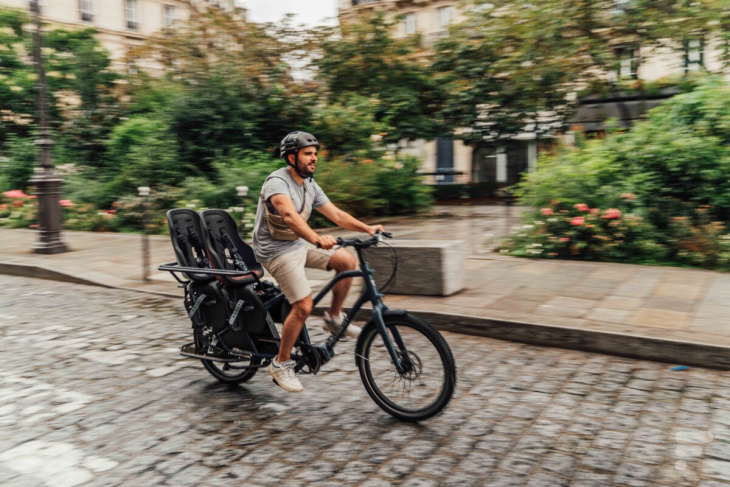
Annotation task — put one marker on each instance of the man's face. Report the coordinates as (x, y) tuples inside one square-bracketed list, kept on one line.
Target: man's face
[(307, 161)]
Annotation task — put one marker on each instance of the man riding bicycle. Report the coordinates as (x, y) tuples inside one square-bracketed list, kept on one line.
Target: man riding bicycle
[(279, 241)]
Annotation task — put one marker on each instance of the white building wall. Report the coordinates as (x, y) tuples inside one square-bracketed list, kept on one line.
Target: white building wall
[(109, 19)]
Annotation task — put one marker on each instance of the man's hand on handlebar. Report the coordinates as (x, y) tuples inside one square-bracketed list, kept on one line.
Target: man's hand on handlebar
[(373, 229), (325, 242)]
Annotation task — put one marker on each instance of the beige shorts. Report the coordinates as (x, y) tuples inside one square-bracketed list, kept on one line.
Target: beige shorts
[(288, 270)]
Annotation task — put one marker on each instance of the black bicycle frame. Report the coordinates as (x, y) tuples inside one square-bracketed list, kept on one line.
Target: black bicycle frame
[(370, 293)]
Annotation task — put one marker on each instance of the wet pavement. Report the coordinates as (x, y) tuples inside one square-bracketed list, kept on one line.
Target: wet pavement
[(93, 393), (673, 314)]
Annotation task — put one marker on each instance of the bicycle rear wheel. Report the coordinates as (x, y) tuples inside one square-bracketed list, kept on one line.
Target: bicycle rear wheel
[(426, 386), (227, 373)]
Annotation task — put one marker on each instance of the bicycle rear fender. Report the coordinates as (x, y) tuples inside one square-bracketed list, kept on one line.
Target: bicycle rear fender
[(371, 324)]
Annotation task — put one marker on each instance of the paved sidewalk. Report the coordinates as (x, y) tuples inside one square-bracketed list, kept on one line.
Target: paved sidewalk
[(659, 313)]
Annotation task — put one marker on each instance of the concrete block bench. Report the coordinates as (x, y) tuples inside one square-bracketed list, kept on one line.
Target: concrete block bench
[(425, 267)]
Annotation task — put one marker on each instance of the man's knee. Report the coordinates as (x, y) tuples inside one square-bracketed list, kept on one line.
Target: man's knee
[(303, 307), (342, 261)]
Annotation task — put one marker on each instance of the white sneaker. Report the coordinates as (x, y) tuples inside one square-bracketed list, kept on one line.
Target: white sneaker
[(331, 325), (285, 376)]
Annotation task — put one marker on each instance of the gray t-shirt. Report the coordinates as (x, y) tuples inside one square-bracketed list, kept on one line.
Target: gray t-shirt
[(280, 181)]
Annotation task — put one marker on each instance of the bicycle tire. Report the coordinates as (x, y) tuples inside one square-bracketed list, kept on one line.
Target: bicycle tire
[(225, 373), (430, 358)]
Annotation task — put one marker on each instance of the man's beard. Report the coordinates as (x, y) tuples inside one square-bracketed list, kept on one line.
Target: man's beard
[(304, 171)]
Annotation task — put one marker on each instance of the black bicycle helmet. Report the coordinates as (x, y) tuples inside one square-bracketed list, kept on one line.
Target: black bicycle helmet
[(295, 141)]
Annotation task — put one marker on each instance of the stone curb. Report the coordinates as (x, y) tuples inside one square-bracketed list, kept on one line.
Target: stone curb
[(632, 346), (39, 272)]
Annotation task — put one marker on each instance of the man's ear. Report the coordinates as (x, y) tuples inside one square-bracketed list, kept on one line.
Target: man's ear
[(290, 160)]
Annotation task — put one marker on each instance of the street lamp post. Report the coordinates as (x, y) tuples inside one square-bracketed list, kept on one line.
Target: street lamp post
[(47, 185), (144, 192)]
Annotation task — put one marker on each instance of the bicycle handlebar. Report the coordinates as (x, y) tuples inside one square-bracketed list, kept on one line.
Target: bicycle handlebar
[(362, 243)]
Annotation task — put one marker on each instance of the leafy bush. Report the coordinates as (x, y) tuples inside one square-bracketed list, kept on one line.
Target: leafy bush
[(375, 187), (400, 188), (674, 165), (20, 161), (564, 231)]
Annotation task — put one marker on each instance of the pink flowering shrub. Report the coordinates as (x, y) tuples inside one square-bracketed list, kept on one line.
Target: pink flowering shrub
[(563, 231), (15, 194), (611, 214), (17, 209)]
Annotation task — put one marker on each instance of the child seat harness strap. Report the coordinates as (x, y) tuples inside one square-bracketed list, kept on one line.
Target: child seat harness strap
[(226, 241), (190, 245), (201, 259)]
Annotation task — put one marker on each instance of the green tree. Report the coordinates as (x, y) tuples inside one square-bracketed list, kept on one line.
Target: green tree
[(232, 87), (346, 128), (515, 65), (81, 91), (394, 74), (16, 76)]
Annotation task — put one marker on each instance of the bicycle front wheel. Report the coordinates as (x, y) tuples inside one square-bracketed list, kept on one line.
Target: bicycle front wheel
[(426, 385)]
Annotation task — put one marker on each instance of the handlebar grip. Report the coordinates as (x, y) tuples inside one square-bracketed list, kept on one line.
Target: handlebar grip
[(340, 241)]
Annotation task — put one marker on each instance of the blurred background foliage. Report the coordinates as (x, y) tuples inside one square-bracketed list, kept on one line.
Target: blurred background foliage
[(206, 117), (211, 99)]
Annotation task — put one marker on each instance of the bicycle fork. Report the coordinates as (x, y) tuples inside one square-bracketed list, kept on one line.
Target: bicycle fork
[(402, 366)]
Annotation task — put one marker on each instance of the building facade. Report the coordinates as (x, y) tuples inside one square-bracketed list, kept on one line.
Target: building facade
[(122, 24)]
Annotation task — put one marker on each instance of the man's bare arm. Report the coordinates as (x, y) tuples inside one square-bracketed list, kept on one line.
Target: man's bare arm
[(345, 220), (285, 206)]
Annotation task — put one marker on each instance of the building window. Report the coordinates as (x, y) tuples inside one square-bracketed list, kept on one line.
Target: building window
[(133, 66), (168, 16), (86, 9), (444, 160), (409, 24), (445, 16), (694, 55), (131, 14), (627, 62)]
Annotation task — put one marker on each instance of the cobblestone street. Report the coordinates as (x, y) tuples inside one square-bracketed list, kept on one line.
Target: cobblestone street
[(94, 393)]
